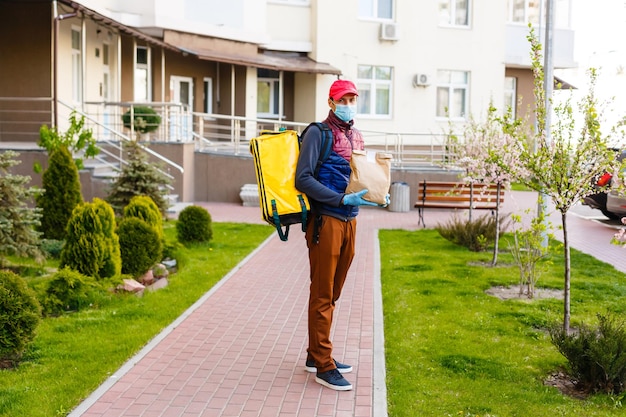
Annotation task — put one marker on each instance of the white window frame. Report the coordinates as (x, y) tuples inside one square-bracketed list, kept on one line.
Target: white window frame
[(444, 82), (291, 2), (274, 99), (525, 15), (208, 95), (451, 18), (372, 84), (510, 95), (368, 9), (77, 65), (139, 94)]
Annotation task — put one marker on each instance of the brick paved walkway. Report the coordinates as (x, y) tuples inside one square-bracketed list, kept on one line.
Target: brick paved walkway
[(240, 350)]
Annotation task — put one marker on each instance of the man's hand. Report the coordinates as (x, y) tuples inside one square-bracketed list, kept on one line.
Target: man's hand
[(356, 199)]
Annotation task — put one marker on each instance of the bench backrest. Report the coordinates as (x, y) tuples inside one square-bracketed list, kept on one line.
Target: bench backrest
[(458, 192)]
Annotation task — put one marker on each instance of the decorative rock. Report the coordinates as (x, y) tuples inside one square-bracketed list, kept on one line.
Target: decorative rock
[(147, 278), (160, 271), (169, 263), (158, 284), (250, 195), (131, 285)]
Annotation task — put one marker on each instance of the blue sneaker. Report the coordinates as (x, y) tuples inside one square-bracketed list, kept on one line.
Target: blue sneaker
[(333, 380), (341, 367)]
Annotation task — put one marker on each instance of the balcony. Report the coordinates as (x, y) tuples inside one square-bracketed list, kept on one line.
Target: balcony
[(518, 47)]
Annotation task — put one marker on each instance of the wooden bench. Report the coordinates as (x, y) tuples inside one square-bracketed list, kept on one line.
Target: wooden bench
[(457, 195)]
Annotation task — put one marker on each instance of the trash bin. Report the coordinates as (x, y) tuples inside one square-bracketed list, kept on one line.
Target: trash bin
[(400, 194)]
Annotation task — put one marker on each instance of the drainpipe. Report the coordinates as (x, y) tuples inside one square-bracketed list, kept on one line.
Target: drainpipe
[(57, 19)]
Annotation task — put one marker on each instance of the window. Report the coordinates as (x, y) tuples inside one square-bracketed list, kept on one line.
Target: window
[(376, 9), (524, 11), (452, 94), (142, 74), (268, 93), (208, 95), (77, 73), (529, 11), (374, 84), (510, 94), (454, 12), (291, 2)]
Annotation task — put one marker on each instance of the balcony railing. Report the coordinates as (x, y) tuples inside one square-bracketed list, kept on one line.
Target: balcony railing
[(20, 120)]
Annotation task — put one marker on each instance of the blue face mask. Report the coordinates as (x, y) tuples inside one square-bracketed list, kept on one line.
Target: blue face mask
[(345, 112)]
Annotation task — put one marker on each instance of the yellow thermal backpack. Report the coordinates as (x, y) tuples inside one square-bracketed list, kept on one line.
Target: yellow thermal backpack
[(275, 156)]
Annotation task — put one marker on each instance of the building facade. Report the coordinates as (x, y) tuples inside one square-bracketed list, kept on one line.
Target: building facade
[(213, 69)]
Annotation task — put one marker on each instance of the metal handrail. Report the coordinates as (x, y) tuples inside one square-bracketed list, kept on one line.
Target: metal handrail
[(124, 137), (212, 132)]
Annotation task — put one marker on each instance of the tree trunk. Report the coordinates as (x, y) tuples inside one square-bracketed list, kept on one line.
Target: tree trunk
[(566, 286), (497, 240)]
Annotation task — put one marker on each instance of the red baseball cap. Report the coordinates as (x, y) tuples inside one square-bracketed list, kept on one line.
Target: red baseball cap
[(340, 88)]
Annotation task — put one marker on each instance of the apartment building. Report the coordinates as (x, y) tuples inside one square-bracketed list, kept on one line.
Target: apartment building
[(220, 71)]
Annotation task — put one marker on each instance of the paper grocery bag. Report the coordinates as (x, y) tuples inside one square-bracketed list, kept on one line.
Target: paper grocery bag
[(371, 171)]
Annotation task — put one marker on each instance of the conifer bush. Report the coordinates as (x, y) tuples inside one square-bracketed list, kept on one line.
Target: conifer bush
[(476, 235), (112, 260), (20, 314), (138, 177), (194, 225), (61, 184), (68, 290), (144, 208), (596, 356), (87, 247), (145, 119), (140, 246), (18, 234)]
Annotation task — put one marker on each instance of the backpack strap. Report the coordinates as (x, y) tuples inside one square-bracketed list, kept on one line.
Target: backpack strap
[(327, 147), (327, 144)]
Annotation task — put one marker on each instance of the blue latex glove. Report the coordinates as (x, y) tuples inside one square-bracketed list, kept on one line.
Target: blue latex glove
[(356, 199), (387, 201)]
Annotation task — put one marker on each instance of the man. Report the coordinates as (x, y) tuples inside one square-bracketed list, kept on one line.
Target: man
[(331, 228)]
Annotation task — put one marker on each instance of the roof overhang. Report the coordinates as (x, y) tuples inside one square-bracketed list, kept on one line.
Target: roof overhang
[(246, 54), (106, 21), (215, 49), (561, 84)]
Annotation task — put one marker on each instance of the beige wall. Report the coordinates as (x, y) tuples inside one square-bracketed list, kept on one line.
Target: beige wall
[(525, 92)]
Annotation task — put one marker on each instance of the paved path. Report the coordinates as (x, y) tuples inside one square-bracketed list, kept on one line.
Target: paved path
[(240, 350)]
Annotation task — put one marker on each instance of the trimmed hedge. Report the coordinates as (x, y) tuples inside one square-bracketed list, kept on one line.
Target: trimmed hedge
[(140, 246), (194, 225), (20, 314)]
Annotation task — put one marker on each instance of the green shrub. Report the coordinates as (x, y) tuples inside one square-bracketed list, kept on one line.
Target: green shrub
[(596, 356), (68, 290), (145, 119), (62, 193), (194, 225), (140, 246), (92, 246), (476, 235), (18, 222), (144, 208), (112, 259), (51, 248), (20, 314)]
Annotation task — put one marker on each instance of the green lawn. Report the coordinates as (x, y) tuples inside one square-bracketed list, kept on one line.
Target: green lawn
[(453, 350), (73, 354)]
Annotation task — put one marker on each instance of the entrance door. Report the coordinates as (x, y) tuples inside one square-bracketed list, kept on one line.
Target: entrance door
[(181, 92)]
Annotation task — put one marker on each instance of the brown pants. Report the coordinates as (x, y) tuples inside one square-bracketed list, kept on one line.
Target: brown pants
[(329, 260)]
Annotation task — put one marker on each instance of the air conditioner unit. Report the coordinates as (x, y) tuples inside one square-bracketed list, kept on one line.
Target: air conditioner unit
[(388, 32), (421, 80)]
